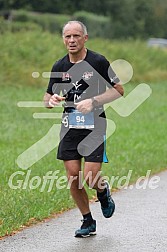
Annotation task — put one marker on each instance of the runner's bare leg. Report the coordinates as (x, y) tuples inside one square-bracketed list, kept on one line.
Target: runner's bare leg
[(92, 175), (79, 194)]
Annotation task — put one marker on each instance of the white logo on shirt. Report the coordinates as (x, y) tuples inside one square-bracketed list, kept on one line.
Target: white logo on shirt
[(87, 75)]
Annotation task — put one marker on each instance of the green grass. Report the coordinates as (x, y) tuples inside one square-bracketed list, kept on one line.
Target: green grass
[(26, 52), (138, 144)]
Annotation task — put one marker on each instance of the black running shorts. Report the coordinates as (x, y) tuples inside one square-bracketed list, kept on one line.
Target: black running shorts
[(74, 145)]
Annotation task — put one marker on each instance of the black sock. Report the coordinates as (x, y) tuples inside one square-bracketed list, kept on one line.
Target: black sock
[(88, 216), (101, 194)]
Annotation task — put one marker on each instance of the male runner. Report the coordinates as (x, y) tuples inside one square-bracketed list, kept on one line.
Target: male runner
[(80, 79)]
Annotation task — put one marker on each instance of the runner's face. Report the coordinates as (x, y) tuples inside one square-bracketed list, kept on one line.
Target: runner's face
[(73, 38)]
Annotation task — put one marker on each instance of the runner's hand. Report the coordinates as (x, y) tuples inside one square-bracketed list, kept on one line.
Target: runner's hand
[(84, 106), (55, 100)]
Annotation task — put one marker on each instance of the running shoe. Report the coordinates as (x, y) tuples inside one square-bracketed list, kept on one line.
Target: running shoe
[(107, 203), (88, 228)]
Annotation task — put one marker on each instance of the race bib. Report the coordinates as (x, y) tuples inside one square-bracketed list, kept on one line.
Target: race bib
[(78, 120)]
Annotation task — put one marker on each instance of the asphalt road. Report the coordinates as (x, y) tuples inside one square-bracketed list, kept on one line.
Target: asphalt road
[(138, 224)]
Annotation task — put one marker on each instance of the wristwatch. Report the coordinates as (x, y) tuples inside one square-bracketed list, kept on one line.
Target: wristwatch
[(94, 102)]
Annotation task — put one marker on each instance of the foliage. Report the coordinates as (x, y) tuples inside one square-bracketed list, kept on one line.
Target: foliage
[(98, 25), (115, 18), (57, 6), (17, 26), (49, 22), (133, 18)]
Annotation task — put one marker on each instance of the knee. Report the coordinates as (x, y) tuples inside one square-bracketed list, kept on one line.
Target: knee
[(92, 179), (89, 179), (73, 180)]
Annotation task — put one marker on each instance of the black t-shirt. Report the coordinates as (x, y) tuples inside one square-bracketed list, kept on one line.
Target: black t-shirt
[(82, 80)]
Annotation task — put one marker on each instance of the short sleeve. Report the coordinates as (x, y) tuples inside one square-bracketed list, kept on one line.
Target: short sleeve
[(54, 82), (110, 77)]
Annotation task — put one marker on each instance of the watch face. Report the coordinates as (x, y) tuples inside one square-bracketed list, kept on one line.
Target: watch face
[(94, 102)]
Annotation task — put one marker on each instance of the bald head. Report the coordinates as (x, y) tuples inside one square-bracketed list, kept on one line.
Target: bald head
[(77, 24)]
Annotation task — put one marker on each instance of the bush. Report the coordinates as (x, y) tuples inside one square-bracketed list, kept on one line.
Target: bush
[(21, 16), (48, 22), (99, 26), (8, 26)]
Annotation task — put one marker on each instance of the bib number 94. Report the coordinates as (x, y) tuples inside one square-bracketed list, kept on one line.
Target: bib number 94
[(80, 119)]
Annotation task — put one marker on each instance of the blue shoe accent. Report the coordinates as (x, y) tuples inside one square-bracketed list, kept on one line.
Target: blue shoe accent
[(107, 203), (88, 228)]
